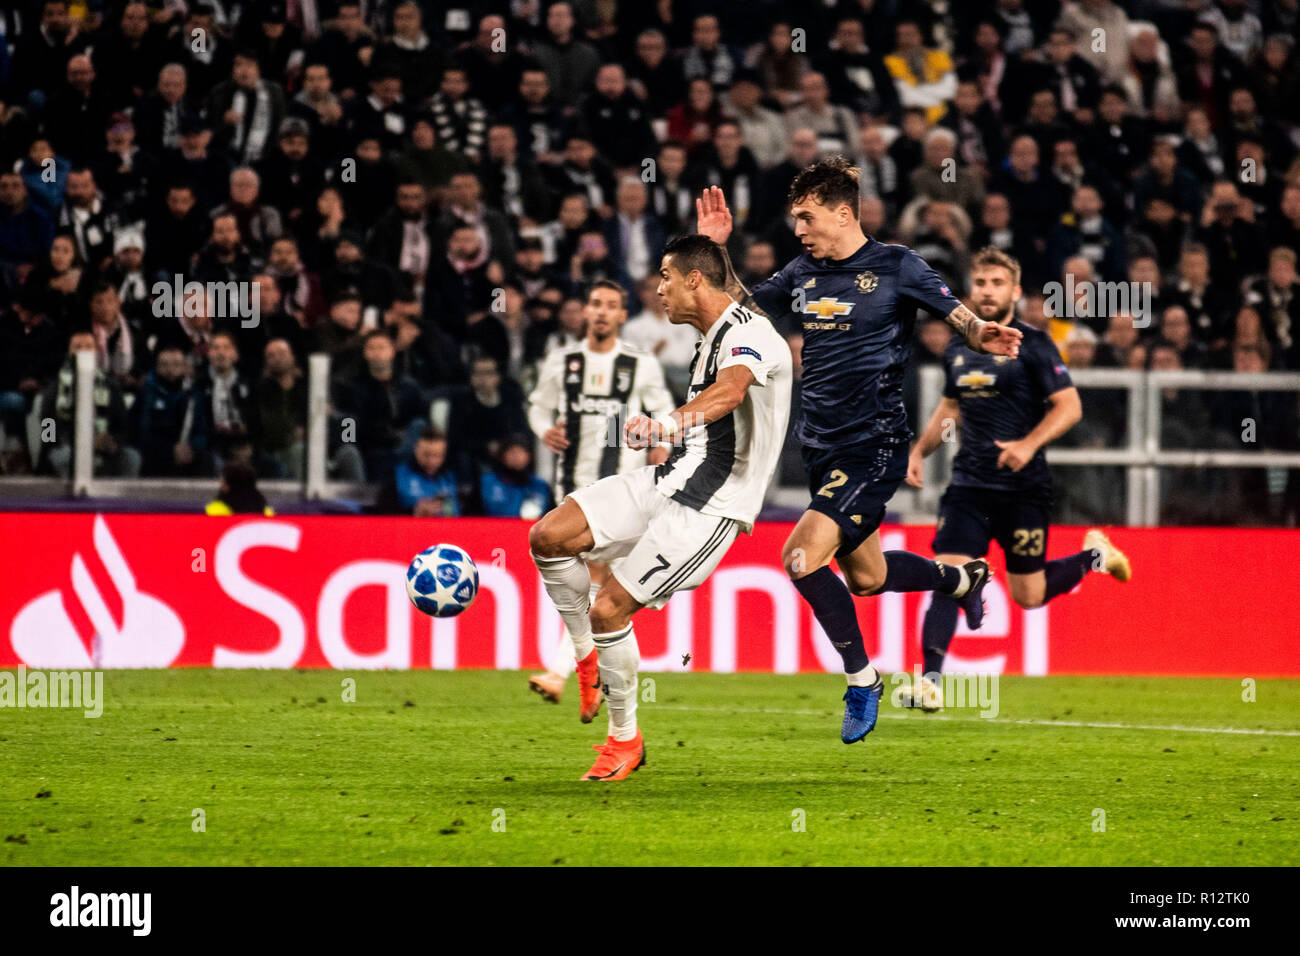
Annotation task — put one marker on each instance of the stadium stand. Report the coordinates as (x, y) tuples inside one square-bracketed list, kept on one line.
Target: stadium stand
[(207, 194)]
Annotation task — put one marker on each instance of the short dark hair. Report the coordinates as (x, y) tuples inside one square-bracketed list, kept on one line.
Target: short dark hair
[(429, 433), (696, 252), (375, 333), (608, 284), (831, 181)]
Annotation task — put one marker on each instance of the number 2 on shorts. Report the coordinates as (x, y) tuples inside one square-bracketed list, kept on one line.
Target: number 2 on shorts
[(837, 478)]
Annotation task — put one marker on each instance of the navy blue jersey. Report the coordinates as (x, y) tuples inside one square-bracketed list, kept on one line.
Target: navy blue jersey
[(1002, 399), (857, 333)]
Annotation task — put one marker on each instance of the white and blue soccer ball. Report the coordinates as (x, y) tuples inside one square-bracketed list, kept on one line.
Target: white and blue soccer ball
[(442, 581)]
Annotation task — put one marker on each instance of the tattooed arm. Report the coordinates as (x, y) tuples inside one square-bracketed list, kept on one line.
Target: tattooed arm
[(984, 336)]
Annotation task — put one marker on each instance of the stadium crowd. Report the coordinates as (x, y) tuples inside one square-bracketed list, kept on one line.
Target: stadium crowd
[(424, 188)]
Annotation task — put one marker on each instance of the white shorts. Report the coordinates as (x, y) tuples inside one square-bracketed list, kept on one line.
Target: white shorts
[(666, 547)]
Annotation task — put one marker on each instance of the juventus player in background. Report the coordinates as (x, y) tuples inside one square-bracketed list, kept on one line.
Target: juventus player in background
[(856, 299), (582, 399), (669, 525), (1001, 490)]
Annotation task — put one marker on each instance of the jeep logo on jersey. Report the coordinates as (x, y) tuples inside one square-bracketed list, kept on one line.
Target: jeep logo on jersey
[(825, 308), (976, 380), (596, 406), (866, 282)]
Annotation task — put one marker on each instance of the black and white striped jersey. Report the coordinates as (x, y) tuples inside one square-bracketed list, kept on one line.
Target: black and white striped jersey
[(724, 468), (595, 393)]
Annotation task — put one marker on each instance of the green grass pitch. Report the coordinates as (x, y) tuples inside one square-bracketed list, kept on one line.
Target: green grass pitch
[(433, 768)]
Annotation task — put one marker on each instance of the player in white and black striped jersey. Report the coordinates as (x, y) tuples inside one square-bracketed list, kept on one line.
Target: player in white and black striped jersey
[(669, 525), (583, 397)]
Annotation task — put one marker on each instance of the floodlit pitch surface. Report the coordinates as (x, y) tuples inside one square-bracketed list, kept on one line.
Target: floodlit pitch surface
[(244, 768)]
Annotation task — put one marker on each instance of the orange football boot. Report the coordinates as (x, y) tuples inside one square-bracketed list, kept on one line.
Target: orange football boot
[(589, 693), (617, 759)]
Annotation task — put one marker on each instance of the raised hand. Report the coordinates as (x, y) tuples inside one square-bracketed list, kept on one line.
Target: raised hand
[(712, 217)]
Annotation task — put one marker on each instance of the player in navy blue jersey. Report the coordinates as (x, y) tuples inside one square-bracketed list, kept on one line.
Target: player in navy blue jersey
[(1009, 410), (856, 299)]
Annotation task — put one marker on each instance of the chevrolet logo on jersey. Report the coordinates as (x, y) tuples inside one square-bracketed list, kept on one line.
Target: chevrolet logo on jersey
[(825, 308), (976, 380)]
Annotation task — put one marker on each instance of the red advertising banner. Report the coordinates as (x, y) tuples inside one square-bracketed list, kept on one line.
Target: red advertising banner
[(79, 591)]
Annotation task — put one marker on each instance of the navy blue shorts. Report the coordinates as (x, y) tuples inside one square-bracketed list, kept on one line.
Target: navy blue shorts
[(851, 486), (971, 517)]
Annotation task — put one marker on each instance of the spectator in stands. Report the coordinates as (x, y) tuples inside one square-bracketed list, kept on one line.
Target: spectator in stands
[(46, 191), (781, 69), (512, 183), (382, 403), (424, 485), (692, 121), (570, 63), (460, 120), (114, 458), (225, 258), (128, 55), (980, 141), (77, 113), (538, 120), (509, 488), (41, 55), (1084, 231), (300, 290), (341, 335), (1176, 331), (168, 424), (158, 115), (1209, 304), (291, 177), (672, 198), (923, 76), (653, 76), (465, 207), (30, 353), (384, 115), (208, 63), (761, 130), (259, 224), (942, 177), (319, 105), (88, 218), (58, 280), (1118, 342), (206, 170), (1276, 297), (25, 231), (114, 342), (423, 351), (634, 236), (174, 235), (835, 125), (345, 49), (238, 493), (230, 404), (282, 410), (1149, 80), (616, 121), (1231, 237), (247, 111), (410, 54), (726, 162)]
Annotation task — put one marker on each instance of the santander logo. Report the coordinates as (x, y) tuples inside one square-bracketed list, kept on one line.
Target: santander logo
[(148, 633)]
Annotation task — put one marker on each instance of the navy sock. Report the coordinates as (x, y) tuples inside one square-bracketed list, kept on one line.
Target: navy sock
[(905, 571), (1064, 573), (937, 631), (832, 605)]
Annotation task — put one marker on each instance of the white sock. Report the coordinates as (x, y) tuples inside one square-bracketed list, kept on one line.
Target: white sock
[(619, 659), (563, 660), (863, 678), (567, 582)]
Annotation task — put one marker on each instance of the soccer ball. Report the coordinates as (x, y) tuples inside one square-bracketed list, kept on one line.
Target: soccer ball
[(442, 580)]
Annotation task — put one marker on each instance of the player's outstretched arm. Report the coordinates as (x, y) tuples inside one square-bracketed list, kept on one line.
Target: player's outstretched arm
[(1064, 414), (946, 416), (717, 401), (984, 336)]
